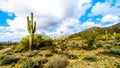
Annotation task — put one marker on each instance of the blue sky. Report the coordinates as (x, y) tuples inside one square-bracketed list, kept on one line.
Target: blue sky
[(55, 17)]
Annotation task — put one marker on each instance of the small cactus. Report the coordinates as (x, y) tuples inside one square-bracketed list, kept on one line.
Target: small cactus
[(114, 33), (31, 26), (106, 33)]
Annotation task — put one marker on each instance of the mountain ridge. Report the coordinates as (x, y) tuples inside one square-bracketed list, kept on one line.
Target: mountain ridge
[(100, 30)]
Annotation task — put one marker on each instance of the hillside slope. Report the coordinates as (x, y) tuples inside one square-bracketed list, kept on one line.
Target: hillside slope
[(110, 29)]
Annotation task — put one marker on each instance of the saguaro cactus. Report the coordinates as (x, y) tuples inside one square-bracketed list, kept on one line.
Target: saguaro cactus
[(31, 26)]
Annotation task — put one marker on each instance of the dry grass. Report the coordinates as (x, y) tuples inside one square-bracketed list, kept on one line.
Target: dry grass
[(103, 60)]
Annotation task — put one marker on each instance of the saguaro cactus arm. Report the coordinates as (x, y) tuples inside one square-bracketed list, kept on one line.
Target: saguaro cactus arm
[(34, 28)]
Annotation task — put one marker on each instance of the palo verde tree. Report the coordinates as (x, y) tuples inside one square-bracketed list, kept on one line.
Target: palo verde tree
[(31, 26), (90, 38)]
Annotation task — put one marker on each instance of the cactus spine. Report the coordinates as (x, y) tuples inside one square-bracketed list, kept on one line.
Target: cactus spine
[(31, 27)]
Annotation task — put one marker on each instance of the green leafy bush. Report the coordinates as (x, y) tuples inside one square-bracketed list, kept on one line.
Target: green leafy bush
[(19, 49), (38, 41), (24, 42), (43, 61), (117, 37), (108, 46), (48, 54), (115, 51), (7, 60), (28, 63), (90, 38), (40, 61), (118, 44), (117, 64)]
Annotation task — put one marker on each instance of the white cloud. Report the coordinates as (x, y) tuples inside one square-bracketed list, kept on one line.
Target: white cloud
[(49, 14), (67, 27), (110, 18), (89, 24), (110, 13), (104, 9)]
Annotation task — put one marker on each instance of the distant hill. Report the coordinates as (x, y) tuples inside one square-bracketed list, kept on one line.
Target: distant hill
[(110, 29)]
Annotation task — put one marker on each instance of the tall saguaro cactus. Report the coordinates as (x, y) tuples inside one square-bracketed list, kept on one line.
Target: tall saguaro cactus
[(31, 26)]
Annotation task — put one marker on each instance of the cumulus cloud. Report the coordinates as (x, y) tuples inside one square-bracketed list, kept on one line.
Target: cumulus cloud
[(62, 16), (104, 9), (110, 18), (89, 24), (110, 13)]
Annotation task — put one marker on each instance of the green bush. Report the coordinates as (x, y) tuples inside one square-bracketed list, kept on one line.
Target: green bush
[(38, 41), (108, 46), (117, 37), (48, 54), (43, 61), (40, 61), (115, 51), (7, 60), (117, 64), (90, 38), (118, 44), (28, 63), (19, 49), (1, 46)]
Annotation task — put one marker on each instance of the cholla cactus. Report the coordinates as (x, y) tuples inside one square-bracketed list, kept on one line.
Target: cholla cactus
[(31, 26), (106, 33), (114, 33)]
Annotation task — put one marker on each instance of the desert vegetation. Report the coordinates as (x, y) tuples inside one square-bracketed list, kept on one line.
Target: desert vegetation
[(92, 48)]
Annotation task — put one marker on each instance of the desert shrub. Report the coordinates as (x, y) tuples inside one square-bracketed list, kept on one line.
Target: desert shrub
[(32, 53), (115, 51), (38, 41), (94, 47), (71, 55), (40, 61), (84, 46), (28, 63), (25, 42), (8, 60), (90, 58), (117, 37), (0, 46), (90, 38), (76, 46), (48, 54), (118, 44), (112, 42), (117, 64), (19, 49), (57, 50), (108, 46), (100, 43), (57, 62), (102, 37)]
